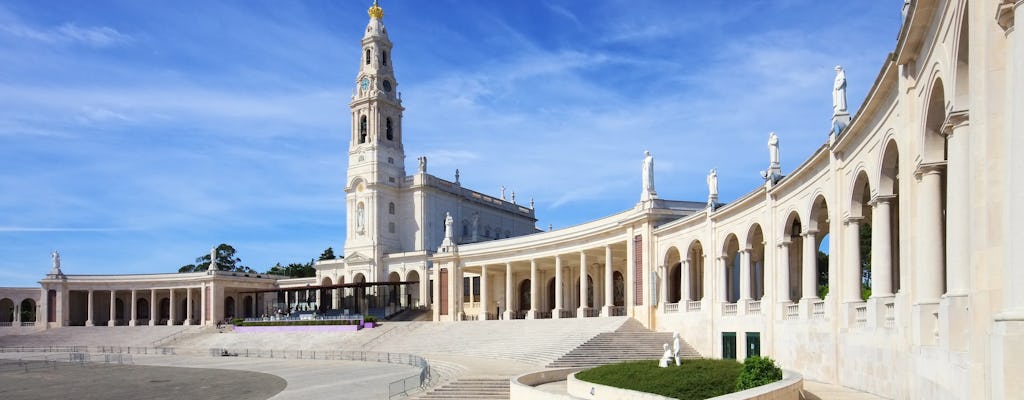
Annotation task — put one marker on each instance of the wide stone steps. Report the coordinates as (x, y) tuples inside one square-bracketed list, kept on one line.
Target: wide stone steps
[(470, 388), (631, 342)]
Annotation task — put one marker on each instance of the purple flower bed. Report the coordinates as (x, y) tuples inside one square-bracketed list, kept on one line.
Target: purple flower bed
[(299, 328)]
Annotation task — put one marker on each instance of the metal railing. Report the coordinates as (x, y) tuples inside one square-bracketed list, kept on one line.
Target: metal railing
[(618, 311), (470, 317), (542, 315), (136, 350), (8, 323), (44, 349), (567, 313), (398, 387), (591, 312)]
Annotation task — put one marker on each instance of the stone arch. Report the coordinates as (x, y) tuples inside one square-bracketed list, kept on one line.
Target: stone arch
[(818, 221), (524, 295), (142, 309), (889, 185), (326, 281), (792, 232), (962, 66), (933, 142), (358, 278), (229, 307), (28, 310), (695, 267), (730, 253), (860, 209), (413, 288), (618, 289), (673, 269), (394, 276), (754, 243), (6, 310)]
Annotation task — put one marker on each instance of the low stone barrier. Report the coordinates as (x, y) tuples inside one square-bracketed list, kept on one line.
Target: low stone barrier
[(786, 389), (524, 387), (298, 328)]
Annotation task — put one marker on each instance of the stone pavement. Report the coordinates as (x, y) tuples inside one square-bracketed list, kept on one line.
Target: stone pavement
[(824, 391), (178, 377)]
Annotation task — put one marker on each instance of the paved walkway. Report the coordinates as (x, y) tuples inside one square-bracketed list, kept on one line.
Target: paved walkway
[(824, 391)]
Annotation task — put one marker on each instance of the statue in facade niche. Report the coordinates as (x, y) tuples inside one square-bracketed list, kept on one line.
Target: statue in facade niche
[(839, 91)]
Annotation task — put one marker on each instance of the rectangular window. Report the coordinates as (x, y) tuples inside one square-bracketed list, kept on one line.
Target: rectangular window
[(728, 345), (391, 227)]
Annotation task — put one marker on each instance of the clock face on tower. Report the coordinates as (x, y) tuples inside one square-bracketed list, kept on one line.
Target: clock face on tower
[(387, 85), (365, 83)]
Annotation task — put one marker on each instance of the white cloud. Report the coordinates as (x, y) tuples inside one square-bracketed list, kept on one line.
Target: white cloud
[(67, 33)]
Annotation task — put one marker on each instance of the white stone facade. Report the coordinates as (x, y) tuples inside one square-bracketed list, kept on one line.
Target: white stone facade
[(933, 162)]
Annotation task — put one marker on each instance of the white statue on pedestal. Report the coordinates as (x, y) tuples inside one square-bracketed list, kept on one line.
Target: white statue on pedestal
[(773, 150), (713, 187), (647, 173), (675, 347), (666, 357), (55, 256), (448, 221), (213, 259), (839, 92)]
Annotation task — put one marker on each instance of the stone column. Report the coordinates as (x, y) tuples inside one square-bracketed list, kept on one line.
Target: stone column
[(188, 306), (810, 269), (534, 307), (851, 268), (745, 275), (113, 309), (133, 307), (89, 322), (484, 299), (723, 282), (609, 291), (152, 308), (958, 204), (508, 291), (930, 236), (556, 313), (881, 247), (172, 309), (782, 271), (583, 286)]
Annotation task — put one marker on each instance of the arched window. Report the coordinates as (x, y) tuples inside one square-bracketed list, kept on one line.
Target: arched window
[(384, 57), (367, 56), (362, 129), (388, 129), (391, 208)]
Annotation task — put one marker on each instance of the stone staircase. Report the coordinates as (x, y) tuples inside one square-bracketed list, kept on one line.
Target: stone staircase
[(470, 388), (630, 342)]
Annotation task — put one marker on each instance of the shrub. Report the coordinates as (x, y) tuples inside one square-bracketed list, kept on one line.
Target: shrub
[(237, 321), (693, 380), (758, 371), (370, 318)]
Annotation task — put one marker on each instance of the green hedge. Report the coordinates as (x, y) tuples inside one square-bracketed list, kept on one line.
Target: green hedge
[(301, 323), (758, 371), (695, 379)]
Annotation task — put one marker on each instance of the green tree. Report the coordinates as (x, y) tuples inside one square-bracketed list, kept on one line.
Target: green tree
[(226, 261), (294, 270), (822, 274), (865, 261), (327, 254)]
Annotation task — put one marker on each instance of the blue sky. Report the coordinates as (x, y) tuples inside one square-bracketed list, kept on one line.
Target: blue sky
[(136, 135)]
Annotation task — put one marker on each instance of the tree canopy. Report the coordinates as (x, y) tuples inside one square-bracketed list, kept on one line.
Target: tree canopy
[(226, 261), (327, 254)]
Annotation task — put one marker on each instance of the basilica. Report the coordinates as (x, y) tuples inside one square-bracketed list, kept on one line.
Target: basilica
[(921, 183)]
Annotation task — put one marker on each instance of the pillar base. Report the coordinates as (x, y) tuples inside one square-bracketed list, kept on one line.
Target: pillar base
[(111, 323), (152, 322), (925, 324), (556, 313), (482, 316), (1006, 348), (581, 312), (188, 322), (532, 314), (506, 315), (89, 323), (606, 311), (954, 322), (131, 323)]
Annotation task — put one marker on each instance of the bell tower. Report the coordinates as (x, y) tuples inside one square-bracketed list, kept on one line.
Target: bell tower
[(376, 158)]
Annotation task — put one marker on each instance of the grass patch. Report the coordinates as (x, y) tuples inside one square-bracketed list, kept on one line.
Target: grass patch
[(695, 379)]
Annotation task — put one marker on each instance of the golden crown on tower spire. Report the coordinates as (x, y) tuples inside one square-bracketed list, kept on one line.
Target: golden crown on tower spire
[(376, 11)]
